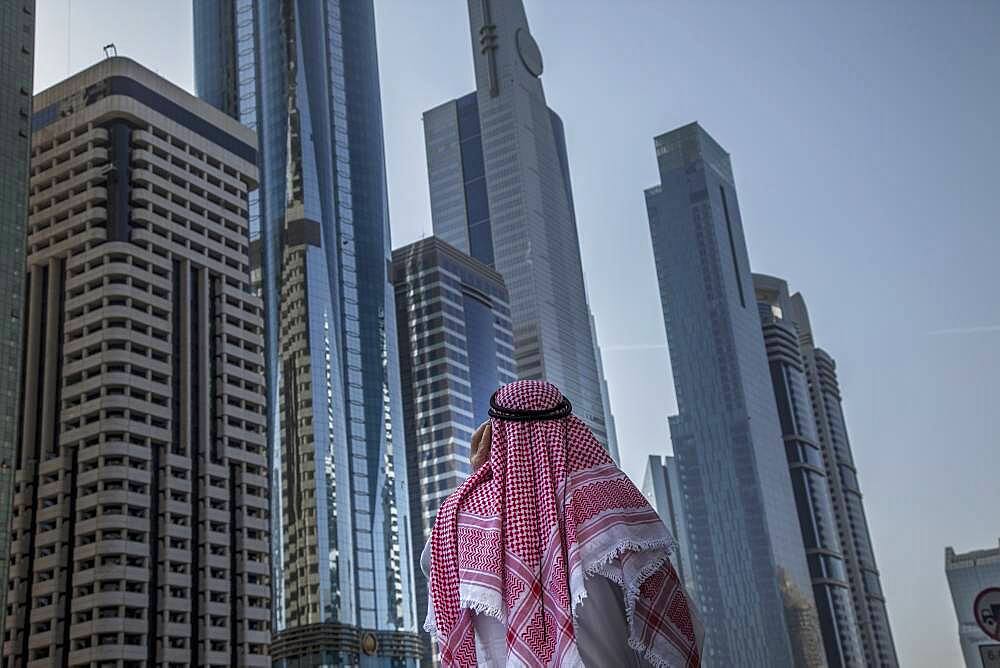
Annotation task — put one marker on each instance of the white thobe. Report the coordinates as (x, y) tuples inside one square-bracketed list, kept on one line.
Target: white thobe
[(599, 622)]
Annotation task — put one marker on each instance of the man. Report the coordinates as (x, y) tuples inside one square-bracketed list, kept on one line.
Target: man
[(548, 555)]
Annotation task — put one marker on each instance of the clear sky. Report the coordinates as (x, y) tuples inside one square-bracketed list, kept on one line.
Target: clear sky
[(864, 141)]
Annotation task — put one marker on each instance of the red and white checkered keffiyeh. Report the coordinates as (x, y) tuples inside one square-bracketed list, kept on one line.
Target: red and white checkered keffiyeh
[(517, 539)]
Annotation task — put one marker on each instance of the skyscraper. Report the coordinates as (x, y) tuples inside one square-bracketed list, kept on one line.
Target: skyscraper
[(809, 472), (456, 349), (748, 561), (140, 514), (662, 488), (969, 575), (17, 49), (304, 73), (845, 492), (500, 191), (609, 418)]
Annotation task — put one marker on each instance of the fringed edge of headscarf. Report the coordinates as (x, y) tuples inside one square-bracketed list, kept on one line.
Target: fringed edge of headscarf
[(630, 590), (469, 601), (482, 600), (631, 596), (600, 565), (473, 603), (482, 607)]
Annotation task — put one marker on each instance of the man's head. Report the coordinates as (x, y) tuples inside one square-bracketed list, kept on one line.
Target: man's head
[(520, 401)]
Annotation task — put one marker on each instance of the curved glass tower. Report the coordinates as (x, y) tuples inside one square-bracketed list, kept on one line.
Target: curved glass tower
[(809, 472), (304, 74), (848, 505)]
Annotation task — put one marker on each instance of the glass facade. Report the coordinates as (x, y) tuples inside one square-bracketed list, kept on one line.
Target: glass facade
[(17, 47), (747, 557), (456, 348), (808, 469), (304, 73), (481, 343), (500, 191), (477, 205)]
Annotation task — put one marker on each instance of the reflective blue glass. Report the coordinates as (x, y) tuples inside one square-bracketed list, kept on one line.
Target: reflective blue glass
[(473, 166), (749, 563), (304, 73), (467, 107), (530, 202), (445, 402), (477, 206), (482, 351)]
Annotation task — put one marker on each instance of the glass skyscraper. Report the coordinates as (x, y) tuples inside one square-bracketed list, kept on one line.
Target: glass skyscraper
[(456, 348), (847, 506), (500, 191), (747, 558), (17, 52), (609, 417), (304, 74), (809, 472)]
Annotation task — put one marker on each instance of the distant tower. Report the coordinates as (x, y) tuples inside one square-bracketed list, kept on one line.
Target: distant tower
[(609, 417), (456, 349), (845, 491), (500, 191), (140, 522), (809, 469), (661, 487), (748, 561)]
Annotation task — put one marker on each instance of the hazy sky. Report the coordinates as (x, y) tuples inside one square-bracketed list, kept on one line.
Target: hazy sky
[(864, 142)]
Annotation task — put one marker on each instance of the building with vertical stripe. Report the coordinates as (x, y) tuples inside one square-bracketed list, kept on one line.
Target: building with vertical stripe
[(809, 470), (500, 191), (140, 521), (747, 559), (828, 496), (456, 348), (609, 418)]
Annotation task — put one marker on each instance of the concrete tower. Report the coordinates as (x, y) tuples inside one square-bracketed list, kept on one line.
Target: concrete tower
[(140, 514)]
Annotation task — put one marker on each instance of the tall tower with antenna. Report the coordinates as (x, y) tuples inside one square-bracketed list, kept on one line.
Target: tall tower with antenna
[(500, 191)]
